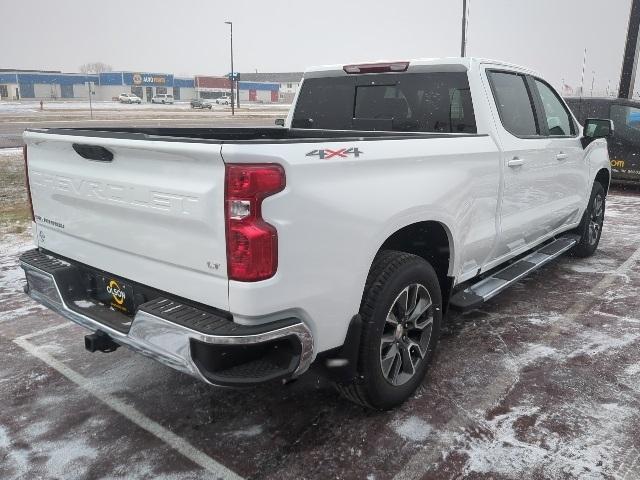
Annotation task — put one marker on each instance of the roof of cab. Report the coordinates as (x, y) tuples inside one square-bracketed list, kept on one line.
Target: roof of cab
[(418, 64)]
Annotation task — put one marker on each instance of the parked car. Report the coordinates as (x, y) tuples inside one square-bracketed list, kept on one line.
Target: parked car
[(223, 100), (624, 144), (162, 98), (129, 98), (394, 192), (201, 103)]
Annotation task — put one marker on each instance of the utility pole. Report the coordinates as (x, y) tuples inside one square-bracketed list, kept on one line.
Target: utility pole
[(593, 79), (232, 76), (630, 58), (463, 46)]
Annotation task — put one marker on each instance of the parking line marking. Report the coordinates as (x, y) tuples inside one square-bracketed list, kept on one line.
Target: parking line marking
[(54, 328), (421, 462), (174, 441), (601, 287)]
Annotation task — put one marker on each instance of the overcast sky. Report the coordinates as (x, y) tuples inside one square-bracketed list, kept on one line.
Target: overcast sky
[(189, 37)]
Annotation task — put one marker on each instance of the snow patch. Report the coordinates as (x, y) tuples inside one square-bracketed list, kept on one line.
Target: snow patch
[(83, 303), (533, 353), (412, 428), (632, 369), (596, 343), (252, 431), (10, 152)]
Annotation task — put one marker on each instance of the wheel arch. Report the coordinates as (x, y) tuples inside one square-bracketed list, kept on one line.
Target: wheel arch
[(431, 240), (604, 178)]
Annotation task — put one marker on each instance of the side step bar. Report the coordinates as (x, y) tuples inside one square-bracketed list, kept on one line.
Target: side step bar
[(487, 288)]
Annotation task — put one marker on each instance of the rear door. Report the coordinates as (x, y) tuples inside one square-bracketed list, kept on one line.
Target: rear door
[(153, 213)]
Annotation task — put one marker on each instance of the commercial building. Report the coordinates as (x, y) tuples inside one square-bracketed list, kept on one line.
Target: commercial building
[(288, 82), (52, 85), (143, 84), (215, 87), (39, 84)]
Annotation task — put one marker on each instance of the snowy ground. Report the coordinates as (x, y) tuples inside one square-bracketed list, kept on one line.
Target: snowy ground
[(26, 106), (542, 383), (16, 116)]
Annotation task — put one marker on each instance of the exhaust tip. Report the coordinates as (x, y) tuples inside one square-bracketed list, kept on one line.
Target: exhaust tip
[(100, 342)]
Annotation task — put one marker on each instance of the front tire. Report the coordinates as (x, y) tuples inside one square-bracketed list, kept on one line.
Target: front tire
[(590, 228), (401, 316)]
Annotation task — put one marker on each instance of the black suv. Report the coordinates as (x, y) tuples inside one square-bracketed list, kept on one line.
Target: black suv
[(624, 144)]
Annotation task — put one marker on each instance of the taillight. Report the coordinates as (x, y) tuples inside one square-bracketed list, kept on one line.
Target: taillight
[(26, 181), (377, 67), (252, 243)]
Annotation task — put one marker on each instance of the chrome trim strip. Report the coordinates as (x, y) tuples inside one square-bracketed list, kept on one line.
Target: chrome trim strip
[(154, 337)]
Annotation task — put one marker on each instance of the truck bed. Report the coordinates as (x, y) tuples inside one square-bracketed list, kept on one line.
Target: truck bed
[(242, 134)]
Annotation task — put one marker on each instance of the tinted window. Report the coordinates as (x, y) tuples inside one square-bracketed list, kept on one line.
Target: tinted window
[(514, 103), (409, 102), (626, 122), (558, 118)]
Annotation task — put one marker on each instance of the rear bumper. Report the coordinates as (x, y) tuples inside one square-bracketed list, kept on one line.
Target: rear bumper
[(187, 338)]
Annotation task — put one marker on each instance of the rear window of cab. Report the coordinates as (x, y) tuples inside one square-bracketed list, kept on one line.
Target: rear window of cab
[(437, 102)]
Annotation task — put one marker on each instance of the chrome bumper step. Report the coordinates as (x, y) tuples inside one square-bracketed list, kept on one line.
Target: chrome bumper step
[(487, 288), (193, 340)]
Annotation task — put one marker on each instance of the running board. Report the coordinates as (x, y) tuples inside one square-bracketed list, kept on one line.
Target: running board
[(478, 293)]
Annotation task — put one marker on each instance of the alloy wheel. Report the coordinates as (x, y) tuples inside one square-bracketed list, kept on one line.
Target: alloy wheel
[(406, 334), (596, 219)]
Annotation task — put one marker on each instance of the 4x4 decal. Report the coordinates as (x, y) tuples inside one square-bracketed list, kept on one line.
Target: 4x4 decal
[(326, 153)]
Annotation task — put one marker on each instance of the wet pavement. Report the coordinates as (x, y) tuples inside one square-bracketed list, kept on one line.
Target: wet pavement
[(542, 382)]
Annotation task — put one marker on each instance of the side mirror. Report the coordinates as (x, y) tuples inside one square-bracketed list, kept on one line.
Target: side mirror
[(280, 122), (595, 128)]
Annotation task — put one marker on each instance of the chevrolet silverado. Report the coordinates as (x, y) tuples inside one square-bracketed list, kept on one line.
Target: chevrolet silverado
[(396, 191)]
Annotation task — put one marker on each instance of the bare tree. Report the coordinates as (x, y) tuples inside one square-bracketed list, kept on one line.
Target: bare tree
[(95, 67)]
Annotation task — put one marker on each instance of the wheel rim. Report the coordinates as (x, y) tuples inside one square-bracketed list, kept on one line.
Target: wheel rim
[(406, 334), (596, 219)]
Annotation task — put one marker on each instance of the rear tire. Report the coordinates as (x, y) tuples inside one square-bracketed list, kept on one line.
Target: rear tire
[(590, 228), (401, 316)]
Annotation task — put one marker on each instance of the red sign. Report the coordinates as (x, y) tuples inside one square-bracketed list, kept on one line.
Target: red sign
[(213, 82)]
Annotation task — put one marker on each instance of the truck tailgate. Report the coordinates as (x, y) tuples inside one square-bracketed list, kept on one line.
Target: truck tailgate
[(153, 214)]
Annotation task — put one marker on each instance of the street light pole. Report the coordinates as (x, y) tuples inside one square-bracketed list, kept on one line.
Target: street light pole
[(463, 46), (90, 100), (231, 79)]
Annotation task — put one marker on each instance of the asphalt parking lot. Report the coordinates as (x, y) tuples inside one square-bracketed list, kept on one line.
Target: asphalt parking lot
[(542, 383)]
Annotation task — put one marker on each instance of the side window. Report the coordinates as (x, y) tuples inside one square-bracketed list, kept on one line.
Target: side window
[(558, 117), (514, 102)]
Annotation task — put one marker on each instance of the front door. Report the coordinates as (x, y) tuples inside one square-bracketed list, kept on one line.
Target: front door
[(529, 186), (149, 93), (571, 176)]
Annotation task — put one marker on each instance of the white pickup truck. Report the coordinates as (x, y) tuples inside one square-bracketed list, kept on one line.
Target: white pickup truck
[(395, 191)]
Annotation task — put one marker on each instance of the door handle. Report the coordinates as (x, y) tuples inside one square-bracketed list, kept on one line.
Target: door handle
[(562, 156), (515, 162)]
